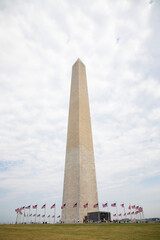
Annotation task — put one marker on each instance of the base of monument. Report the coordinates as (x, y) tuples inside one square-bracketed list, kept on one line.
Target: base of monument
[(97, 217)]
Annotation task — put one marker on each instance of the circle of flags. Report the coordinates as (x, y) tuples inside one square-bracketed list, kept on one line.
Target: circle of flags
[(122, 211)]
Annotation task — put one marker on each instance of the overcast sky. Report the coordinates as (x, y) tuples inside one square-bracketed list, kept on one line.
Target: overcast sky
[(119, 42)]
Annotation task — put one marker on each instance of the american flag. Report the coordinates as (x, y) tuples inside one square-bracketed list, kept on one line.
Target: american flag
[(105, 205), (128, 213), (30, 215), (22, 208), (85, 205), (53, 216), (43, 215), (53, 206), (113, 205), (28, 207), (122, 205), (63, 206), (120, 214), (133, 206), (129, 207), (48, 216), (38, 215), (136, 212), (95, 205), (34, 215), (58, 216), (132, 213), (114, 215), (75, 205), (43, 206), (17, 210), (34, 206), (20, 212), (124, 214), (137, 207), (140, 209)]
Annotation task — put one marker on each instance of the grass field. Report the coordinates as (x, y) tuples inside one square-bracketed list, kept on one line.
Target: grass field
[(81, 231)]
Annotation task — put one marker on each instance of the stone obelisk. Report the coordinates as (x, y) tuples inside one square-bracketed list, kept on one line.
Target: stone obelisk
[(80, 185)]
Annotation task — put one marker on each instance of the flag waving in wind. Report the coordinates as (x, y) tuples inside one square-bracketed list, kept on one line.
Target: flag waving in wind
[(113, 205), (105, 205), (34, 206), (43, 206), (28, 207), (63, 206), (85, 205), (75, 205), (95, 205), (53, 206)]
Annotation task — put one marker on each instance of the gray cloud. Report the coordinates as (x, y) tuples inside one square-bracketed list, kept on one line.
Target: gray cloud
[(39, 43)]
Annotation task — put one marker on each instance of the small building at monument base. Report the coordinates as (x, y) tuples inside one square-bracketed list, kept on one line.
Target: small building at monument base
[(98, 216)]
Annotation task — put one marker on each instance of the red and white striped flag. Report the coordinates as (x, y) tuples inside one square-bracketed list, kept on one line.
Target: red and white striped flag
[(22, 208), (28, 207), (53, 206), (63, 206), (105, 205), (34, 206), (17, 210), (85, 205), (95, 205), (113, 205)]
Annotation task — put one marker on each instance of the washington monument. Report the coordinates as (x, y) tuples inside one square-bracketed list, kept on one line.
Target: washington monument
[(80, 187)]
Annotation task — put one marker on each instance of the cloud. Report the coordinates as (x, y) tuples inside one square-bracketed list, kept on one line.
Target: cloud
[(40, 42)]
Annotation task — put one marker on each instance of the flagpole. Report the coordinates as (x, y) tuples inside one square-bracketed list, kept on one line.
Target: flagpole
[(29, 212), (143, 213), (44, 213), (134, 215), (131, 211), (23, 215), (36, 214), (55, 213), (27, 217), (117, 211), (16, 217), (124, 212), (19, 219), (108, 211)]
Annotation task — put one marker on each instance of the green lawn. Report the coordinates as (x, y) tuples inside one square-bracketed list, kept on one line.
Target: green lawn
[(121, 231)]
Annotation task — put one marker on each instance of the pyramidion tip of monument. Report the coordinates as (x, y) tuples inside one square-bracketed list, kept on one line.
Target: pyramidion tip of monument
[(78, 61)]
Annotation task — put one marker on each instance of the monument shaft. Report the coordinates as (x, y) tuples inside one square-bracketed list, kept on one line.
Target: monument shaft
[(79, 178)]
